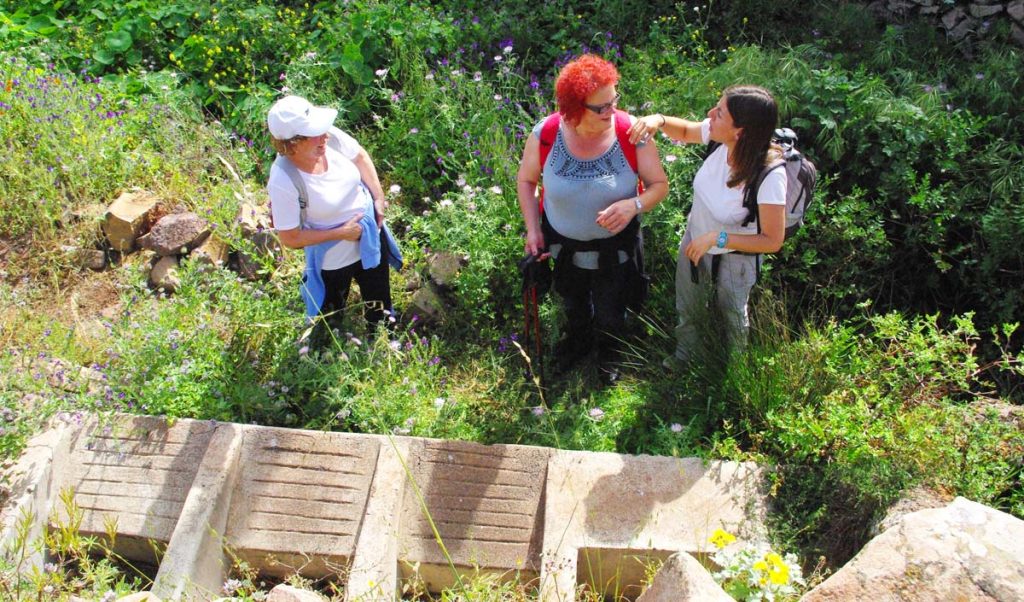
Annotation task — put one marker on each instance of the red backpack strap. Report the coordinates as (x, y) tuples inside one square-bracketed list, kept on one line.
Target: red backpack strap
[(622, 125), (548, 133)]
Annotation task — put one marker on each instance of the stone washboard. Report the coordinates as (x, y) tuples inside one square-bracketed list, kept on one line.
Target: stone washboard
[(486, 502), (137, 473), (300, 499)]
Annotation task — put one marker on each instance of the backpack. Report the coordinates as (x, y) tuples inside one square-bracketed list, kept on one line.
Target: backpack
[(334, 142), (801, 177)]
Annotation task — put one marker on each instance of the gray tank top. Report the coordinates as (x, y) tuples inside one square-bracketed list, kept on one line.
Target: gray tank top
[(575, 190)]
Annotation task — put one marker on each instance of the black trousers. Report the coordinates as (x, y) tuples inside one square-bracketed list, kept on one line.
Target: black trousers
[(374, 287), (595, 306)]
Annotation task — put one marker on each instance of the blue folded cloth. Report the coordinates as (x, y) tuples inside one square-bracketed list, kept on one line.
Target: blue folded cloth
[(312, 287)]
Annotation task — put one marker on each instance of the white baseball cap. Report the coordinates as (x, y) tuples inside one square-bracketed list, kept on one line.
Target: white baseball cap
[(294, 116)]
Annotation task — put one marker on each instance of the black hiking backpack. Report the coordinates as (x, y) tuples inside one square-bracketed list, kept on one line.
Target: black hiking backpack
[(801, 176)]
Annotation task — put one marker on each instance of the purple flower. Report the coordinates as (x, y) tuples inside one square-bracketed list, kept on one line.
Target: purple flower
[(434, 361), (538, 411), (596, 414)]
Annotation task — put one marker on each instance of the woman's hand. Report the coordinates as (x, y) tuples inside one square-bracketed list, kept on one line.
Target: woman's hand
[(700, 245), (350, 230), (644, 128), (535, 244), (617, 216), (379, 206)]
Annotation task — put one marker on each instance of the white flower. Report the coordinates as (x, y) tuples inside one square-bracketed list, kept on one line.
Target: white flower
[(445, 203), (495, 189), (498, 58), (439, 402), (596, 414), (676, 427), (538, 411), (380, 72), (477, 76), (310, 55), (671, 158), (429, 76), (395, 189), (497, 97), (507, 49)]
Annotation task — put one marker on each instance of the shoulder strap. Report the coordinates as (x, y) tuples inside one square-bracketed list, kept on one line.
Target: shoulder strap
[(548, 133), (711, 147), (628, 148), (750, 192), (300, 186)]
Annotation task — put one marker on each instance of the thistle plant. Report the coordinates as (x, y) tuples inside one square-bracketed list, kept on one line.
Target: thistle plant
[(754, 571)]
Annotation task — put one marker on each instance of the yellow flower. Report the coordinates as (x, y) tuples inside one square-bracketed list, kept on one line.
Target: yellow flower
[(721, 539)]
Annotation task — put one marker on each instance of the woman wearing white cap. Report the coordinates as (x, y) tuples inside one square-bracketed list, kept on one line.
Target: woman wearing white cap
[(326, 199)]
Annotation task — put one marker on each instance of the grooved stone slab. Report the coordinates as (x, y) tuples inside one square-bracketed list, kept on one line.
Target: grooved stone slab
[(302, 494), (486, 501), (604, 501), (135, 470)]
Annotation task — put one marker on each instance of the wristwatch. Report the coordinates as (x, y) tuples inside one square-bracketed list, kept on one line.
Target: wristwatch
[(639, 205), (722, 239)]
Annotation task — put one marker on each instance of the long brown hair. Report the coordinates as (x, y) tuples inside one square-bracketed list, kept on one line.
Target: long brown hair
[(753, 109)]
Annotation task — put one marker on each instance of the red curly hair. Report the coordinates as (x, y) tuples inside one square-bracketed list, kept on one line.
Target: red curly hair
[(578, 80)]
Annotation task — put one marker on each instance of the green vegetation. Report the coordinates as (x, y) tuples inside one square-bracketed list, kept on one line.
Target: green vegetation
[(885, 347)]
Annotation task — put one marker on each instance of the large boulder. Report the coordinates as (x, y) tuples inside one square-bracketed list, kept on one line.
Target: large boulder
[(176, 234), (212, 252), (254, 221), (965, 551), (683, 579), (127, 218)]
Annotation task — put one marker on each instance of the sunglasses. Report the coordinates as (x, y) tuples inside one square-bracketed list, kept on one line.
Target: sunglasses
[(599, 109)]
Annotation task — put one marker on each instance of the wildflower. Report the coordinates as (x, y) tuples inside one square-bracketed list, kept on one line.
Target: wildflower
[(507, 49), (414, 130), (596, 414), (676, 427), (497, 97), (343, 414), (477, 76), (380, 72), (538, 411), (671, 158), (445, 203), (304, 350), (439, 402), (979, 76), (110, 596), (395, 189), (395, 345), (434, 361), (50, 567), (495, 189), (721, 538), (231, 586)]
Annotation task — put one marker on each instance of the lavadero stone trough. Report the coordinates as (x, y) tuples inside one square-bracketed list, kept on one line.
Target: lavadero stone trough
[(193, 498)]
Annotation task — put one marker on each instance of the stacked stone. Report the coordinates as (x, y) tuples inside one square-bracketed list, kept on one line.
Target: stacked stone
[(960, 20)]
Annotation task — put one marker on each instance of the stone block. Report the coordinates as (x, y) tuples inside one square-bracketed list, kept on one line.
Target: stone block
[(212, 252), (164, 274), (684, 579), (253, 218), (982, 11), (138, 471), (127, 218), (1016, 10), (965, 551), (301, 499), (194, 561), (1018, 33), (427, 305), (444, 267), (264, 243), (287, 593), (952, 18), (486, 502), (176, 234), (613, 502)]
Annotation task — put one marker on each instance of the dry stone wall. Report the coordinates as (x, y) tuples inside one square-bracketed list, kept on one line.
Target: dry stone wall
[(962, 21)]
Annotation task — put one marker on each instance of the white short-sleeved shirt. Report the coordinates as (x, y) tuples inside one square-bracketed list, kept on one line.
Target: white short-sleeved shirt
[(335, 198), (716, 207)]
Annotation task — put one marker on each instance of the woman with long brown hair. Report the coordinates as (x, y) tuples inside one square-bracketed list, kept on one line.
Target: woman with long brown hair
[(728, 226)]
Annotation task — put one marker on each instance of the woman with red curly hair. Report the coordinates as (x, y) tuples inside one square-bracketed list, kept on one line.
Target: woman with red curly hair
[(589, 223)]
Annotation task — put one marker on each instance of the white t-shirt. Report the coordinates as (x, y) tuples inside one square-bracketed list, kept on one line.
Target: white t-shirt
[(716, 207), (335, 197)]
